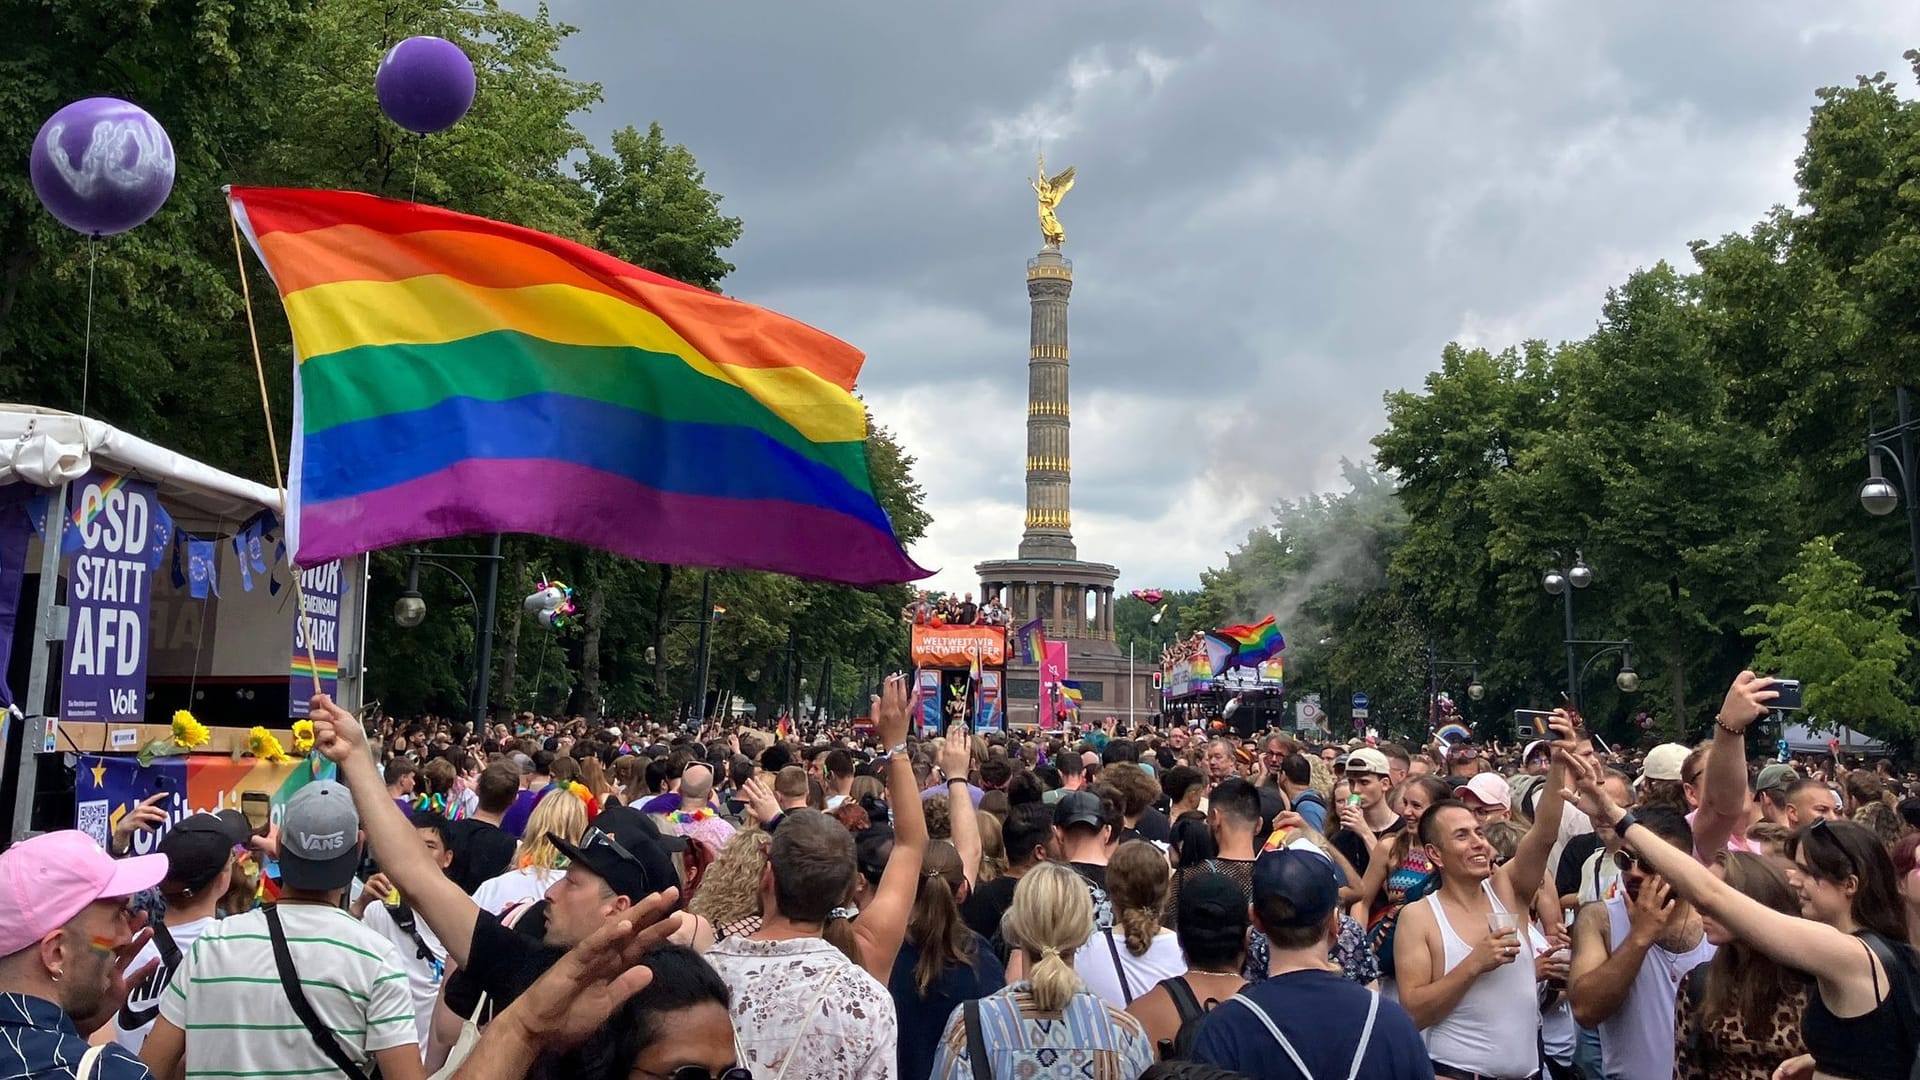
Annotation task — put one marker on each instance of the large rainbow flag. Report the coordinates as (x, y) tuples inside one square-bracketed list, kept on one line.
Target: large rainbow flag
[(459, 375), (1253, 644)]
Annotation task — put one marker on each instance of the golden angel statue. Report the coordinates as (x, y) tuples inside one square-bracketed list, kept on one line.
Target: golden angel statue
[(1051, 191)]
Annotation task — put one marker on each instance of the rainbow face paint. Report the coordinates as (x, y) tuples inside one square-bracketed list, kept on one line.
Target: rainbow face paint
[(103, 944)]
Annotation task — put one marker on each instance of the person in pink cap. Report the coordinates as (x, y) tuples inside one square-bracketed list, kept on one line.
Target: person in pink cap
[(64, 946), (1489, 796)]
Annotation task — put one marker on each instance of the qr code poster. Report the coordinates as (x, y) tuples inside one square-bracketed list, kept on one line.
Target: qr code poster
[(94, 818)]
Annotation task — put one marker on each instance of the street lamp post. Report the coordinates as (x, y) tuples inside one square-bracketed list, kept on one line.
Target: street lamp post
[(410, 610), (1878, 496), (1626, 680), (1563, 584)]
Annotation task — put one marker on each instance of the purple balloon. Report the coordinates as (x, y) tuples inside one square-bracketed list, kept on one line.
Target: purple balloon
[(425, 84), (102, 166)]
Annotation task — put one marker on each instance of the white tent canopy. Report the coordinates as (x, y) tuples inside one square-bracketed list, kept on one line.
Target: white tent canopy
[(47, 448), (1802, 739)]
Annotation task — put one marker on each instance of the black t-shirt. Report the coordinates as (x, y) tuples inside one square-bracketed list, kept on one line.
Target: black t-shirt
[(987, 904), (502, 961), (1566, 877), (1350, 845), (1153, 825), (481, 850)]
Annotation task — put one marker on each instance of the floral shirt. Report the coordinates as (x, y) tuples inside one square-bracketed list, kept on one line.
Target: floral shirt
[(1349, 950), (805, 1012)]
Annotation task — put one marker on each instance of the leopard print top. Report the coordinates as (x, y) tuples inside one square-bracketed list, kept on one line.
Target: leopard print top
[(1725, 1049)]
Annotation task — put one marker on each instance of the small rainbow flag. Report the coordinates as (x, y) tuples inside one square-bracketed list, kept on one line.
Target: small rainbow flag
[(458, 375), (1070, 693), (1033, 641), (1255, 643)]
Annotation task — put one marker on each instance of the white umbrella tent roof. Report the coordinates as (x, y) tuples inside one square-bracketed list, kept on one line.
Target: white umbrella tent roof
[(47, 447)]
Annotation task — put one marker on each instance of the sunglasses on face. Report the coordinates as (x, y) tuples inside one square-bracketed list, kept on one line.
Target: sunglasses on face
[(699, 1072), (1627, 860)]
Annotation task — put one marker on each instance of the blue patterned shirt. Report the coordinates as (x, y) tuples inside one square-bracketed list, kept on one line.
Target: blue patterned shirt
[(38, 1041), (1086, 1040)]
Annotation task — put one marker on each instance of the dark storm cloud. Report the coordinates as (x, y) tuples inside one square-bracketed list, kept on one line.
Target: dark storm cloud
[(1283, 210)]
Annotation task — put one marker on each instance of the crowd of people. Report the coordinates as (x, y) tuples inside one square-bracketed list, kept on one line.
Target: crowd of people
[(542, 898), (946, 609)]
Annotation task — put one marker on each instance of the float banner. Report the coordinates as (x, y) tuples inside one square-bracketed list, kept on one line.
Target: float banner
[(16, 528), (959, 646), (107, 786), (990, 717), (318, 624), (111, 532)]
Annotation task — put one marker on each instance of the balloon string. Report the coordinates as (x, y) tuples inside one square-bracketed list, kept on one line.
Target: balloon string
[(413, 193), (86, 345), (273, 443)]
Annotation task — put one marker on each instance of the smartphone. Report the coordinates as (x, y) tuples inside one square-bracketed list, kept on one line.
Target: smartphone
[(1531, 722), (1789, 691), (258, 807)]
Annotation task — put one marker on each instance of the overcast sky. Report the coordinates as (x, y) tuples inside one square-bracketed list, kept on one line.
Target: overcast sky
[(1283, 210)]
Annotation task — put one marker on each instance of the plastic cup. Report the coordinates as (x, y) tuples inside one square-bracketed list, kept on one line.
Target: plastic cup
[(1500, 922)]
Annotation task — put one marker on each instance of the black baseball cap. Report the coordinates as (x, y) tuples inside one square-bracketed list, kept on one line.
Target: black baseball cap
[(1212, 900), (624, 848), (1304, 879), (199, 847), (1079, 808)]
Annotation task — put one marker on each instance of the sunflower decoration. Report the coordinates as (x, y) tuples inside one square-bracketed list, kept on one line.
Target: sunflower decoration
[(263, 745), (303, 736), (186, 735)]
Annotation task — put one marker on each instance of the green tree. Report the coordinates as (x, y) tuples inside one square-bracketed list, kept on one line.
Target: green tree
[(1843, 639), (653, 209)]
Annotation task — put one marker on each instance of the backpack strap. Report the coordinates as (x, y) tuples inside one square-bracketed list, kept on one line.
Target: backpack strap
[(1366, 1034), (1184, 1003), (1126, 991), (289, 982), (977, 1042), (89, 1061), (1274, 1030), (169, 948)]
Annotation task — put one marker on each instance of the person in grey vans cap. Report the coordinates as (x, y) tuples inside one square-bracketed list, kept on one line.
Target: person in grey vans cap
[(231, 987)]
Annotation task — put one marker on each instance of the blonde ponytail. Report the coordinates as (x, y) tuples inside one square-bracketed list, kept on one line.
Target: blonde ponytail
[(1051, 916)]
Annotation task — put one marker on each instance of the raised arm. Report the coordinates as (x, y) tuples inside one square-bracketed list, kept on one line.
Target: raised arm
[(403, 858), (1528, 867), (882, 925), (1723, 795), (956, 757), (1840, 961)]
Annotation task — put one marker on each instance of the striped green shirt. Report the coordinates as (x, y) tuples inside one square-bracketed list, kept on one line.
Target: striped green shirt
[(228, 999)]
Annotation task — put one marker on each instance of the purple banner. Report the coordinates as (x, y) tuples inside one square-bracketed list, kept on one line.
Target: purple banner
[(111, 530), (318, 625), (18, 504)]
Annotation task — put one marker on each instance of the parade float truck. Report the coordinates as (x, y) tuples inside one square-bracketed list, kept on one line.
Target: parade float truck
[(959, 676), (1243, 699), (137, 585)]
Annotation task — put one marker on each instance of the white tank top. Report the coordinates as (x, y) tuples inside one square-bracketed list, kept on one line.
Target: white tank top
[(1638, 1039), (1496, 1027)]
